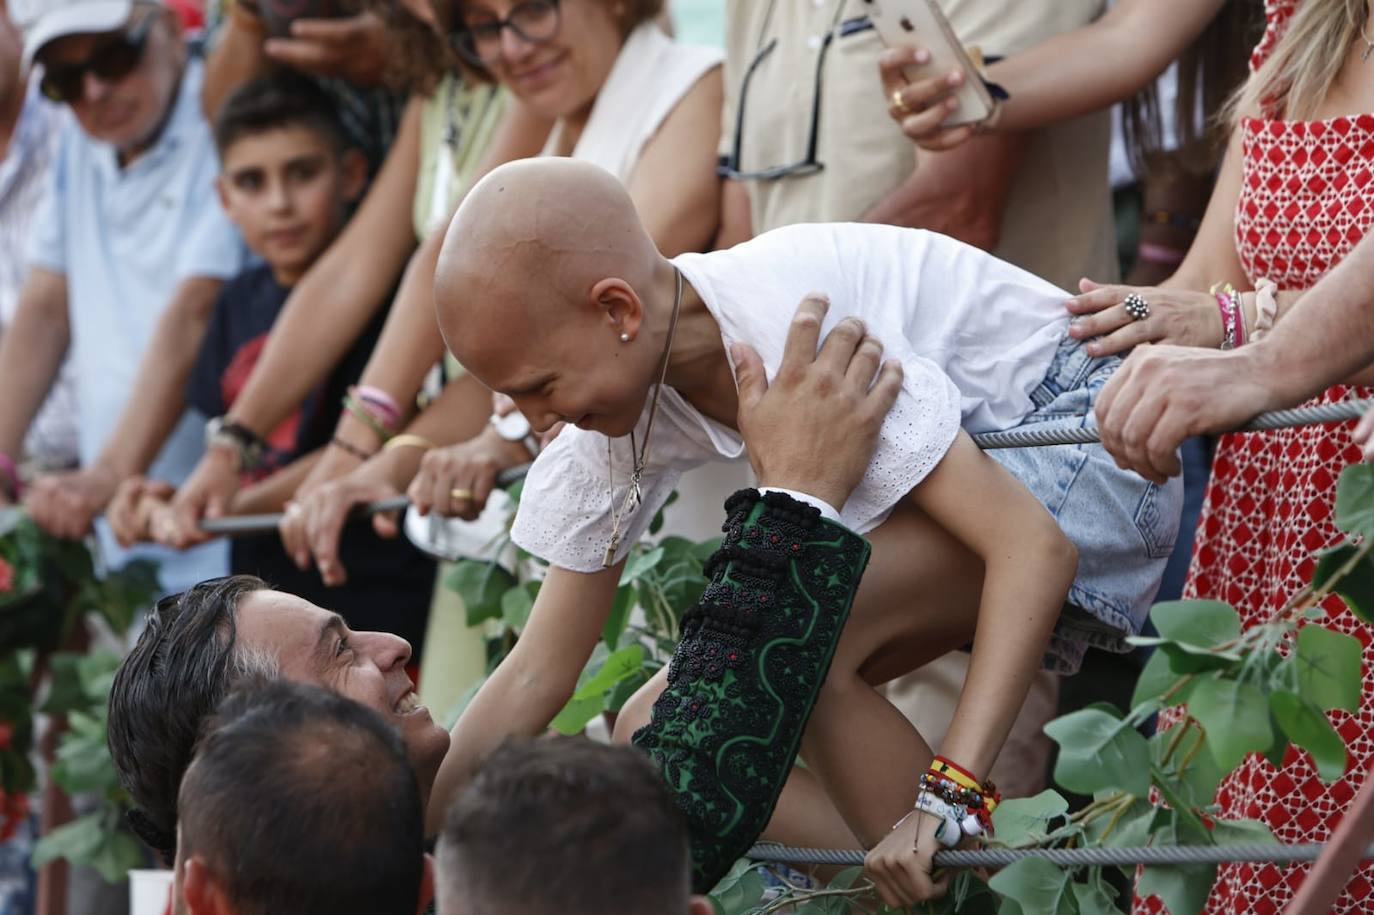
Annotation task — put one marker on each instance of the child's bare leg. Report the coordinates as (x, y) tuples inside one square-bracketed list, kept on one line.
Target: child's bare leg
[(902, 618), (918, 601)]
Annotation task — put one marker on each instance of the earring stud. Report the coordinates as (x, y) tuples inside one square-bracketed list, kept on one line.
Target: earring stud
[(625, 337)]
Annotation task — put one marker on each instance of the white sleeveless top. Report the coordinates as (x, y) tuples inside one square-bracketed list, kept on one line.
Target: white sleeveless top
[(650, 76)]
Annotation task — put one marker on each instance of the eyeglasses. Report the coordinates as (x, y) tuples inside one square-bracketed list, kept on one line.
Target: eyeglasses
[(730, 167), (110, 62), (534, 21)]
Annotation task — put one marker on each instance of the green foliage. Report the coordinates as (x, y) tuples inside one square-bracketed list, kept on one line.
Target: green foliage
[(1098, 750), (659, 582), (46, 587)]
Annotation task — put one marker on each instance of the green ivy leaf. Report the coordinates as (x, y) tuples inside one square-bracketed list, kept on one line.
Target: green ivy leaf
[(1036, 886), (1183, 889), (1027, 819), (1356, 588), (1328, 668), (622, 664), (1241, 832), (116, 856), (1156, 678), (1093, 900), (517, 603), (640, 565), (739, 891), (480, 585), (620, 616), (1204, 623), (1196, 782), (1355, 500), (65, 694), (575, 716), (1098, 751), (1307, 727), (1236, 716), (76, 841)]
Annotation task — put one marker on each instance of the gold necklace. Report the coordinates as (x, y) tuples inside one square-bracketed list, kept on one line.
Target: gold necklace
[(635, 495)]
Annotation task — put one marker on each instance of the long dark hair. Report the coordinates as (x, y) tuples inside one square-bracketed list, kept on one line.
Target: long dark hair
[(1209, 71)]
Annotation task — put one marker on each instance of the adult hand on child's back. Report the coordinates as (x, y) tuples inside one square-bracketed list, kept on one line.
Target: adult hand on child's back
[(352, 48), (1176, 316), (815, 427)]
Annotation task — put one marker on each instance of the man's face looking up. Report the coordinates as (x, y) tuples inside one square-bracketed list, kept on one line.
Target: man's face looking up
[(313, 645)]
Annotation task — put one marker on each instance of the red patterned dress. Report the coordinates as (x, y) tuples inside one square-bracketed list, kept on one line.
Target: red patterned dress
[(1305, 200)]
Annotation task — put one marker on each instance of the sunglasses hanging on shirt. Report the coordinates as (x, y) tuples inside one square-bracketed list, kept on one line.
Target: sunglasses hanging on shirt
[(111, 61)]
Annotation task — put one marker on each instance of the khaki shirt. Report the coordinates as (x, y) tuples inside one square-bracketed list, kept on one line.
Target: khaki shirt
[(1057, 222)]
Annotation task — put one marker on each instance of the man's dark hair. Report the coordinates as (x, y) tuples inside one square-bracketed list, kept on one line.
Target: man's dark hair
[(165, 691), (283, 98), (300, 800), (564, 826)]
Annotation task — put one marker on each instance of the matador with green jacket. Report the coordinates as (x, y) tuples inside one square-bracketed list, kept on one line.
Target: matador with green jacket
[(755, 650)]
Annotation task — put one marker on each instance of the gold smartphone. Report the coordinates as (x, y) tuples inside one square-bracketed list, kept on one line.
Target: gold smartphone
[(921, 23)]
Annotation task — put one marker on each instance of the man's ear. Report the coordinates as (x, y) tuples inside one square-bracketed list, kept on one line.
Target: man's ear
[(700, 905), (426, 885), (620, 305), (199, 890), (354, 166)]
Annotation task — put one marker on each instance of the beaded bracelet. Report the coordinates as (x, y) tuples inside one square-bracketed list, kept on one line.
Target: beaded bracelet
[(350, 448), (367, 418), (1228, 319), (379, 400)]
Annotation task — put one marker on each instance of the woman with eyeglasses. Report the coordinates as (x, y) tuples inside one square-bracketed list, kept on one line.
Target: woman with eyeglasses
[(622, 95)]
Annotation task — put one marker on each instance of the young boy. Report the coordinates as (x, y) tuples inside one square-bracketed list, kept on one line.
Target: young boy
[(288, 179), (549, 290)]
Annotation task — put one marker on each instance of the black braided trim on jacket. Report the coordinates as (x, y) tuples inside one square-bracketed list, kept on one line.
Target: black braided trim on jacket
[(754, 652)]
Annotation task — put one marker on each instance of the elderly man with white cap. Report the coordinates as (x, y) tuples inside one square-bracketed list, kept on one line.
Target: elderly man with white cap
[(126, 256)]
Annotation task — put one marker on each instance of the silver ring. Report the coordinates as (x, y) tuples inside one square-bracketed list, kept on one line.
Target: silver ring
[(1136, 306)]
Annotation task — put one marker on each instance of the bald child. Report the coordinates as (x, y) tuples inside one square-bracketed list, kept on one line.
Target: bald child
[(549, 290)]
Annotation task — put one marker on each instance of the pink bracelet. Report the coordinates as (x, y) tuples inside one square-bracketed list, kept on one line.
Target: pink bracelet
[(1228, 309), (11, 470), (1159, 254), (382, 402), (1240, 317)]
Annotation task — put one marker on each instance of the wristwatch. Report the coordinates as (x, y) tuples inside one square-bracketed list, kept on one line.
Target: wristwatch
[(246, 445), (514, 427)]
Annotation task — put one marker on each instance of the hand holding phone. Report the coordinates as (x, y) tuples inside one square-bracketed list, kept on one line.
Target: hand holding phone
[(920, 23)]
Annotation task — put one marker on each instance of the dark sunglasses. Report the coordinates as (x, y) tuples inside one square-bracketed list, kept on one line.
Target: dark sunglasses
[(110, 62), (535, 21)]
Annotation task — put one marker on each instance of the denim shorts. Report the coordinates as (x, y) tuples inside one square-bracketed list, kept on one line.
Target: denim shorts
[(1123, 525)]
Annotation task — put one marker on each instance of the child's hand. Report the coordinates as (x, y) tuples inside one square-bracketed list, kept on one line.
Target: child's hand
[(900, 865)]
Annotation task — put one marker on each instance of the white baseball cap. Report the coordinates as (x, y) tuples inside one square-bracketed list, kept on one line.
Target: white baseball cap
[(43, 21)]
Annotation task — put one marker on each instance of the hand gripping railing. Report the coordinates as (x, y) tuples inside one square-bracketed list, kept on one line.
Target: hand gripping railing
[(1025, 437)]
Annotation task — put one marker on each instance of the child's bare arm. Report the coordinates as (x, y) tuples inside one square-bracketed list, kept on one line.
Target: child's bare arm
[(1028, 566), (534, 682)]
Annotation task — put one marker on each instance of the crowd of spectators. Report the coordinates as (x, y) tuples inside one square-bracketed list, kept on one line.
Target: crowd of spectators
[(220, 227)]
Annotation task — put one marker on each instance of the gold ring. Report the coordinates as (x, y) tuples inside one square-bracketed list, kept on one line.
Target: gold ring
[(898, 103), (464, 495)]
